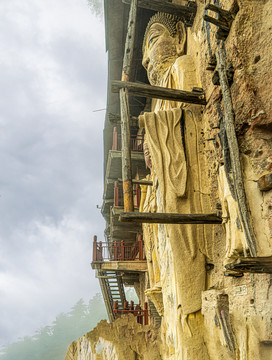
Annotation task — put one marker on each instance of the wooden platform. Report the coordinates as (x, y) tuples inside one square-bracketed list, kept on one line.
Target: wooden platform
[(255, 265), (114, 172), (135, 265)]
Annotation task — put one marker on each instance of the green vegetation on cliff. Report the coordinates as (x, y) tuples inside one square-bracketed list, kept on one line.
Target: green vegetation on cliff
[(51, 342)]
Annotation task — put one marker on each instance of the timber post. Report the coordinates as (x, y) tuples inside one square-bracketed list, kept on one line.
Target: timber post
[(140, 247), (145, 314), (138, 195), (115, 251), (95, 248), (126, 152), (100, 249), (115, 307), (125, 113), (234, 152), (116, 194), (122, 251), (138, 314), (115, 139)]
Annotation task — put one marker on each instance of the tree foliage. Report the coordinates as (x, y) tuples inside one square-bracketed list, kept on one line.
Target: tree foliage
[(96, 7), (51, 342)]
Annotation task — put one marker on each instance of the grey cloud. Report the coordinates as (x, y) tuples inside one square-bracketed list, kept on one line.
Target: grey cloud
[(51, 164)]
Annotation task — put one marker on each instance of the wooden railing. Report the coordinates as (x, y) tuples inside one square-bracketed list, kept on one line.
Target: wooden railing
[(119, 197), (141, 314), (136, 141), (117, 250)]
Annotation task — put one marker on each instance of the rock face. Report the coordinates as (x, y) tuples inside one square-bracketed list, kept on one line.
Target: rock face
[(123, 339), (232, 319)]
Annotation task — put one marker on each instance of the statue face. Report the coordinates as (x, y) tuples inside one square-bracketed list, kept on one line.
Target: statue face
[(147, 156), (160, 52)]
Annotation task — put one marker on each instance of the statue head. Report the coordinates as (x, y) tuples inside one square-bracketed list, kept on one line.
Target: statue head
[(164, 42), (147, 155)]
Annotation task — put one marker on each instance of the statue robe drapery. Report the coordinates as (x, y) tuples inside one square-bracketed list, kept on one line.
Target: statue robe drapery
[(175, 159)]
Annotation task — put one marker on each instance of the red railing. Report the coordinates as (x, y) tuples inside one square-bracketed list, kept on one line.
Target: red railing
[(118, 250), (141, 314), (119, 196), (136, 141)]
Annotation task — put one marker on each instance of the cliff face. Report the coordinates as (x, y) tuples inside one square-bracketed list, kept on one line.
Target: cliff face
[(234, 320), (123, 339)]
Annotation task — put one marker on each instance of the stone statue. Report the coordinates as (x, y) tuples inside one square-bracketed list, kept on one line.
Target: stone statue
[(173, 134)]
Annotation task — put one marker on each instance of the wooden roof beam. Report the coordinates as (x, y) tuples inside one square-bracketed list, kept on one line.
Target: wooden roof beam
[(158, 92), (186, 13), (169, 218)]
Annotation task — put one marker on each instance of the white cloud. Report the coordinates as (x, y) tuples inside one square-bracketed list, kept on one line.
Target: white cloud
[(53, 75)]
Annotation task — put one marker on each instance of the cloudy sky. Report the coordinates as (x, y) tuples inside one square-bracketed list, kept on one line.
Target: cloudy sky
[(53, 77)]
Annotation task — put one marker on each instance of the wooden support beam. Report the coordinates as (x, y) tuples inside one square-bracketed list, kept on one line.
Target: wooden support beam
[(186, 13), (126, 151), (224, 20), (234, 152), (166, 218), (255, 265), (221, 24), (134, 181), (125, 113), (108, 201), (130, 39), (140, 182), (158, 92), (224, 14), (116, 119)]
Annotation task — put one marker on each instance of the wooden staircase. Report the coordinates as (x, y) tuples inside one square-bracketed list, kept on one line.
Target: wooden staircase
[(154, 313), (112, 290)]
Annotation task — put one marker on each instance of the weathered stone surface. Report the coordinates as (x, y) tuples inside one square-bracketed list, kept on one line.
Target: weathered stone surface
[(265, 182), (236, 312), (123, 339)]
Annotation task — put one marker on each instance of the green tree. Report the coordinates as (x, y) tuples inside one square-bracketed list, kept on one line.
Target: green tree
[(51, 342), (96, 7)]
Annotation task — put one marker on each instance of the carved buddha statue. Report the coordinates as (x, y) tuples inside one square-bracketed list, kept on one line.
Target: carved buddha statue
[(173, 135), (172, 132)]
